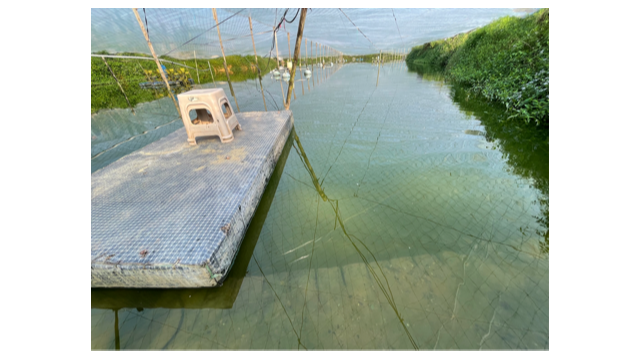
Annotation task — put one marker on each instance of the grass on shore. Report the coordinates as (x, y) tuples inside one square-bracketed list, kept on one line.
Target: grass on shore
[(105, 93), (506, 61)]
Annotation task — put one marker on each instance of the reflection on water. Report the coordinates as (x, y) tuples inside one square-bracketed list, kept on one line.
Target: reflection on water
[(405, 217), (200, 298), (525, 146)]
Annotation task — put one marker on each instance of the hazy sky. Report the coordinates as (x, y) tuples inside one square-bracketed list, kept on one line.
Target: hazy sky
[(117, 30)]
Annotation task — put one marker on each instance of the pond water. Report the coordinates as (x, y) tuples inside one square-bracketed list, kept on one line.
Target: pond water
[(402, 216)]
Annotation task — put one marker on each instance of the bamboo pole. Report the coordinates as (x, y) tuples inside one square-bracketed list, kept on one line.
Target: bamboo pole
[(155, 57), (224, 59), (189, 72), (301, 74), (211, 72), (116, 329), (313, 79), (144, 72), (196, 60), (148, 79), (314, 178), (379, 60), (322, 56), (302, 79), (278, 66), (393, 60), (292, 67), (257, 64), (296, 54), (322, 63), (326, 73), (120, 86), (314, 83), (312, 62), (306, 61)]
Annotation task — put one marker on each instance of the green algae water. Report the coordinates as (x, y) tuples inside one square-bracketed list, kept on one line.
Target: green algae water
[(403, 216)]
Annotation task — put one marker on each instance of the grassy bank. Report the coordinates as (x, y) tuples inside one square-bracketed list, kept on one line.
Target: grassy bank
[(506, 61), (105, 93)]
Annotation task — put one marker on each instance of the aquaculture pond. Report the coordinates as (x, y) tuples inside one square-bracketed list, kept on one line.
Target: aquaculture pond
[(402, 216)]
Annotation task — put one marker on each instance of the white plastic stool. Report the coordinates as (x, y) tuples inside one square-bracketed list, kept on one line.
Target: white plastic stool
[(214, 114)]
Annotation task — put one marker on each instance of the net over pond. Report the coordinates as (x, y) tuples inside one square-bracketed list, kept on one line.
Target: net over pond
[(404, 217)]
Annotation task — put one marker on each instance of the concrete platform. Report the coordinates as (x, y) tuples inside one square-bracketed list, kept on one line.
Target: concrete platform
[(171, 215)]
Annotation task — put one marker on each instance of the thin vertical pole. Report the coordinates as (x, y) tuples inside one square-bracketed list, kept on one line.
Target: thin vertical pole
[(320, 64), (322, 52), (257, 64), (211, 72), (306, 61), (188, 72), (145, 73), (379, 60), (278, 66), (148, 79), (296, 54), (155, 57), (392, 61), (196, 60), (325, 53), (313, 73), (120, 86), (302, 79), (116, 330), (289, 45), (224, 59)]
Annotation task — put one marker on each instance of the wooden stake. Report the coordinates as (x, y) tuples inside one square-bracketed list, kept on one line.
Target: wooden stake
[(188, 72), (155, 57), (148, 79), (120, 86), (211, 72), (302, 79), (278, 66), (257, 64), (314, 178), (313, 73), (292, 67), (306, 60), (196, 60), (379, 60), (326, 73), (224, 59), (296, 54)]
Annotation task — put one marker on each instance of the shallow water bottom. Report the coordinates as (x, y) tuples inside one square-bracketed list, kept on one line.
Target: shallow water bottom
[(395, 222)]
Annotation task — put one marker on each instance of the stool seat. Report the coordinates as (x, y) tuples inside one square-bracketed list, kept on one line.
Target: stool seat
[(214, 115)]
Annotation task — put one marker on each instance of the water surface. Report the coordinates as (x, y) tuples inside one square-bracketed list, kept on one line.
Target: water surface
[(403, 216)]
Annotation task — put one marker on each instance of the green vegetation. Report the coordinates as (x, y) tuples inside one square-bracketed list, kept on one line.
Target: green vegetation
[(105, 93), (506, 61), (370, 57)]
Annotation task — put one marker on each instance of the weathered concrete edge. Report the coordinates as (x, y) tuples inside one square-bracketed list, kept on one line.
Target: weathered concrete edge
[(161, 276), (242, 218), (210, 273)]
